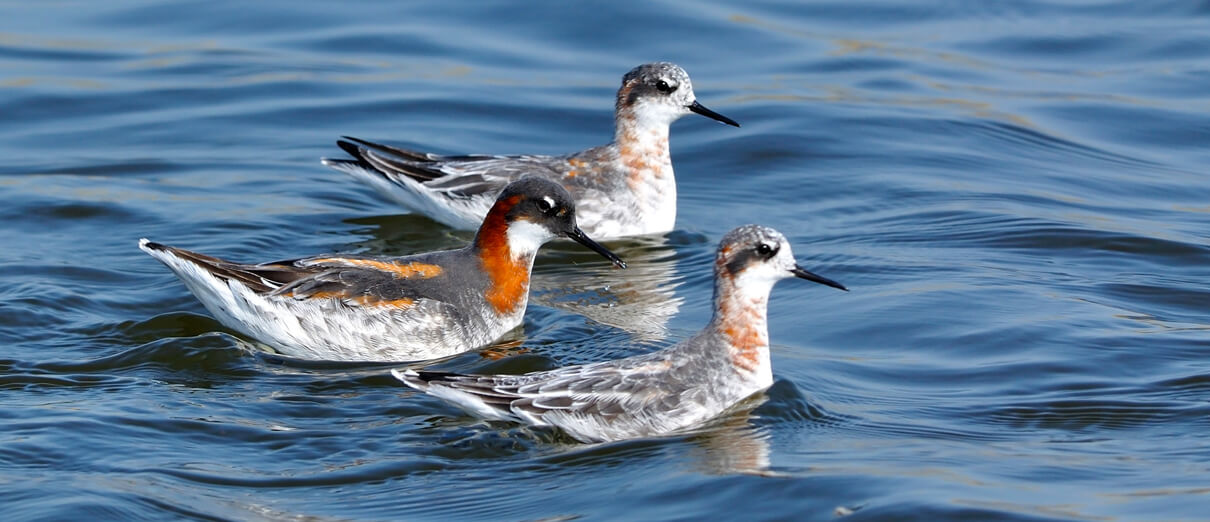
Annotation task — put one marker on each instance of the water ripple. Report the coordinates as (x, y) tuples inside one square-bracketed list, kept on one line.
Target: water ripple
[(1013, 191)]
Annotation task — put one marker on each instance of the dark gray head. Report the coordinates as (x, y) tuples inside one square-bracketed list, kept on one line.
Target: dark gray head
[(758, 256), (530, 212), (661, 90)]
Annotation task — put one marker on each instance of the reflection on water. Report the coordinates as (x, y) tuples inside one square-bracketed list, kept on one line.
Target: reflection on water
[(732, 444), (1014, 191), (639, 299)]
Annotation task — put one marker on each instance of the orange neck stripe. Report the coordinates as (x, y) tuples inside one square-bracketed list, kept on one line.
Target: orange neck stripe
[(509, 276)]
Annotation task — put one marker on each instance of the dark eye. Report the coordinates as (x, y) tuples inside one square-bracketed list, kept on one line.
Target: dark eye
[(544, 205), (663, 87), (764, 250)]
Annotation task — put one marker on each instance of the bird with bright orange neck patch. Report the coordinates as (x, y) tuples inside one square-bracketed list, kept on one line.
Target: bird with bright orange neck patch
[(417, 307), (657, 393)]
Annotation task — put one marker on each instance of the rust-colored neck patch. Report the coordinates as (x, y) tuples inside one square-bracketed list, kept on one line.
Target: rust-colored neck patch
[(741, 319), (509, 275), (643, 151)]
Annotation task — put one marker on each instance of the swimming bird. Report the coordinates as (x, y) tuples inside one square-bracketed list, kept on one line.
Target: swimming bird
[(624, 188), (655, 393), (366, 308)]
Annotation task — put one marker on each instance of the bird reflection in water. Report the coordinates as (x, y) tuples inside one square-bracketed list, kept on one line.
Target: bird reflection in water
[(732, 444), (639, 300)]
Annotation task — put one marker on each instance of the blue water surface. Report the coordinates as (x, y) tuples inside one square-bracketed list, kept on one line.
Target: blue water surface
[(1015, 192)]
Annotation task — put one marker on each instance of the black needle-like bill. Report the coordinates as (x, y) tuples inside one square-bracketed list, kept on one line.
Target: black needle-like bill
[(701, 109), (579, 237), (809, 276)]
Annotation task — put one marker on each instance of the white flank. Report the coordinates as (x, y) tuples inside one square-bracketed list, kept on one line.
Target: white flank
[(328, 329)]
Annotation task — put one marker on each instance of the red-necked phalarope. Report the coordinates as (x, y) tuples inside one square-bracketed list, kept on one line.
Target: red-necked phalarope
[(624, 188), (361, 308), (655, 393)]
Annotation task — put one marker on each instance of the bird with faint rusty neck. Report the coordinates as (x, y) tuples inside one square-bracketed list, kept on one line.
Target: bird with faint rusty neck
[(624, 188), (365, 308), (655, 393)]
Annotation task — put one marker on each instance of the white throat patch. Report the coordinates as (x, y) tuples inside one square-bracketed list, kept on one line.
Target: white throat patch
[(525, 238)]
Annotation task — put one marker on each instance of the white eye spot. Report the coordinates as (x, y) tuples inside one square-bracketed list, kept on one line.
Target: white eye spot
[(550, 203)]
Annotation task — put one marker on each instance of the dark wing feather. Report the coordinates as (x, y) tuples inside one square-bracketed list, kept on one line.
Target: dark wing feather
[(259, 278), (306, 278), (360, 280), (414, 155), (604, 390), (410, 164), (458, 176)]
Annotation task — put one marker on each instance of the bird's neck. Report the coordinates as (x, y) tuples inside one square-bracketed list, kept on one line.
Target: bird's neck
[(741, 320), (506, 253), (643, 157), (639, 136)]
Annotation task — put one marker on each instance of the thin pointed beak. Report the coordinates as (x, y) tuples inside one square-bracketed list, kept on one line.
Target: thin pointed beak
[(701, 109), (805, 274), (579, 237)]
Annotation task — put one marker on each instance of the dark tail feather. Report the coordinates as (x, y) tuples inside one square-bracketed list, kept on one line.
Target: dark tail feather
[(438, 376), (353, 150), (219, 268), (389, 161), (155, 246), (398, 151)]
